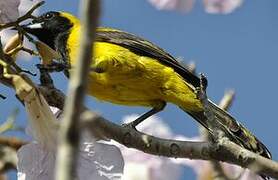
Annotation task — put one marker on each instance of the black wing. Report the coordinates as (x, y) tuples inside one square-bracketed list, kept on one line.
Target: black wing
[(145, 48)]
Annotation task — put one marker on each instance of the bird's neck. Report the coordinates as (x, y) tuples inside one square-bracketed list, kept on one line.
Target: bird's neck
[(67, 44), (61, 45)]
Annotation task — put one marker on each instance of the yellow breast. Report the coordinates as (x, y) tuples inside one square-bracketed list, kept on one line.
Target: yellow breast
[(130, 79)]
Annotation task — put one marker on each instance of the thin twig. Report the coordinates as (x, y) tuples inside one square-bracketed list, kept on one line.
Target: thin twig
[(227, 100), (12, 142), (69, 137), (225, 103), (24, 49), (9, 123), (191, 66)]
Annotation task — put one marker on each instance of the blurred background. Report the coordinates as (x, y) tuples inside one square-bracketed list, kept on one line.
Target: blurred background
[(236, 51)]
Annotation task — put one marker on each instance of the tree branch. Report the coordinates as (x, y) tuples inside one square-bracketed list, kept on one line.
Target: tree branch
[(224, 150), (69, 137)]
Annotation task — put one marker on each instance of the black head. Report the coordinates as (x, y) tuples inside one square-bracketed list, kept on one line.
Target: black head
[(49, 26)]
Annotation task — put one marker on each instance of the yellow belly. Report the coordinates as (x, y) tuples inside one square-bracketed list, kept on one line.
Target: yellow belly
[(133, 80), (133, 86)]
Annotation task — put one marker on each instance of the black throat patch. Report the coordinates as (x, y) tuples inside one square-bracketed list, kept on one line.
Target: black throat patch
[(60, 43)]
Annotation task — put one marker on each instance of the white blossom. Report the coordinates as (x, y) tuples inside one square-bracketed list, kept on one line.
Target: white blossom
[(210, 6), (221, 6), (181, 5), (9, 10), (96, 159)]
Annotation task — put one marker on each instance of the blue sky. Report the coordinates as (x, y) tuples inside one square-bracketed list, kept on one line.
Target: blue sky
[(238, 51)]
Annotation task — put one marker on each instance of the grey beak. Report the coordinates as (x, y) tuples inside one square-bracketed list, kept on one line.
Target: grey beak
[(33, 26)]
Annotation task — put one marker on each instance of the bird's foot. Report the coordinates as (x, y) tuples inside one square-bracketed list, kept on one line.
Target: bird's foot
[(53, 67), (129, 125)]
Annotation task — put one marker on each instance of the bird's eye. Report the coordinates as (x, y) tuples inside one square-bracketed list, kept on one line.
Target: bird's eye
[(49, 15)]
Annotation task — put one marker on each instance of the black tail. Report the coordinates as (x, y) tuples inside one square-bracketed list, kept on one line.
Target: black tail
[(233, 130)]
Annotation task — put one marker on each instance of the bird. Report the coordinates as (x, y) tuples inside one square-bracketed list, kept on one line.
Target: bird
[(129, 70)]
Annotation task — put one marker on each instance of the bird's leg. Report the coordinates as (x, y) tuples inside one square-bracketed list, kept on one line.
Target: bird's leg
[(45, 78), (148, 114), (54, 66)]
